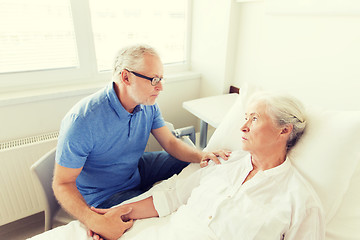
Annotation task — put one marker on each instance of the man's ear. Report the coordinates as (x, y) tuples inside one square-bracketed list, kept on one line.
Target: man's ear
[(124, 77)]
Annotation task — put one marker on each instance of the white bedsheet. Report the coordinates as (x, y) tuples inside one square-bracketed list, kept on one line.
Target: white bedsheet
[(140, 230), (73, 230)]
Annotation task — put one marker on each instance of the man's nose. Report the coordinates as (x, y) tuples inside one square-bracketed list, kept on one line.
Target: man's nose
[(159, 86)]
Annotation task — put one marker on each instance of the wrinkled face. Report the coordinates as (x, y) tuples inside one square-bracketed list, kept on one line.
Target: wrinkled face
[(141, 90), (259, 131)]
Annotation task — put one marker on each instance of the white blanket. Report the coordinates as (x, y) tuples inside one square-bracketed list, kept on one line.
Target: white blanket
[(78, 231), (73, 230)]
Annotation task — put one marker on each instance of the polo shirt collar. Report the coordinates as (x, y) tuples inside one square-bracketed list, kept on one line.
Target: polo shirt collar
[(116, 104)]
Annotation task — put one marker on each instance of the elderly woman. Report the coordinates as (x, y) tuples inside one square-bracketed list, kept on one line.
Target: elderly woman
[(256, 194)]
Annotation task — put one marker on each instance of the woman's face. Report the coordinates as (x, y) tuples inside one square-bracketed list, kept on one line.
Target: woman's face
[(259, 131)]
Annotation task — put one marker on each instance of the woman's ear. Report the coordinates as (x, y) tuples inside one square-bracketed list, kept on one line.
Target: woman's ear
[(287, 129)]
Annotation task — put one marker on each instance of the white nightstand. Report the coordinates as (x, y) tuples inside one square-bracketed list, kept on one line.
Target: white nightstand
[(210, 110)]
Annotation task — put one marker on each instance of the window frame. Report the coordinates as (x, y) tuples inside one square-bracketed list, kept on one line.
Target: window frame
[(87, 72)]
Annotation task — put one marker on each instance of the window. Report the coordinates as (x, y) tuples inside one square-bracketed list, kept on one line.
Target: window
[(45, 43), (36, 35), (121, 22)]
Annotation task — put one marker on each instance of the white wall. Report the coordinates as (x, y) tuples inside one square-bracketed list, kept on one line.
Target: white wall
[(308, 55), (214, 30), (36, 116), (33, 118)]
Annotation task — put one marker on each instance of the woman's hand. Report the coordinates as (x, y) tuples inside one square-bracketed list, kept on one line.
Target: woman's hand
[(207, 156)]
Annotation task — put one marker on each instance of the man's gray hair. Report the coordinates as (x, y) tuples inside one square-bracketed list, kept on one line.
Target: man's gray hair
[(131, 58), (284, 110)]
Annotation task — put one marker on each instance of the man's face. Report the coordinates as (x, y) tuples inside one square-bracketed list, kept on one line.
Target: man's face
[(141, 91)]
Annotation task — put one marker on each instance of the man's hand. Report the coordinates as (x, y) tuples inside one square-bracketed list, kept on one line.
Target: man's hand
[(207, 156), (114, 224), (102, 211)]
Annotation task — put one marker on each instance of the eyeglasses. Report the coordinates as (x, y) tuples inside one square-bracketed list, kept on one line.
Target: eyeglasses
[(154, 81)]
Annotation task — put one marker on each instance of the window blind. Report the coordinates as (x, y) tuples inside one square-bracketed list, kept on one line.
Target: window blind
[(36, 35), (159, 23)]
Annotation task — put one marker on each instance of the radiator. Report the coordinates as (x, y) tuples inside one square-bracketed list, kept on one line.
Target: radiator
[(19, 191)]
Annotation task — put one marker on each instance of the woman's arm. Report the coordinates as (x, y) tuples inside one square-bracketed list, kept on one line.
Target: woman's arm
[(142, 209), (165, 197), (310, 226), (138, 210)]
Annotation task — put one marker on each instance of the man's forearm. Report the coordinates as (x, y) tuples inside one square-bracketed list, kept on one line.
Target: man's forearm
[(108, 225), (184, 152), (72, 201)]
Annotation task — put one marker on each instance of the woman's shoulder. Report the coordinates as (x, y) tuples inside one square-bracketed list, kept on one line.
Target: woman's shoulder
[(301, 189)]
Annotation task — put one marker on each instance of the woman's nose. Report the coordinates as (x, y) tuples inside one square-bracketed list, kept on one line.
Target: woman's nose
[(245, 128)]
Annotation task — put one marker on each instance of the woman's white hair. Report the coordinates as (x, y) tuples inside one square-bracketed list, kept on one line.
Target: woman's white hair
[(284, 110), (132, 58)]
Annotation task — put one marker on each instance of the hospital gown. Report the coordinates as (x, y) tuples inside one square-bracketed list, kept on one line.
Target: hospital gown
[(214, 203)]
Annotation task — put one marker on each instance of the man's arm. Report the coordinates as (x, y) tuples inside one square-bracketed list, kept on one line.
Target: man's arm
[(182, 151), (109, 225)]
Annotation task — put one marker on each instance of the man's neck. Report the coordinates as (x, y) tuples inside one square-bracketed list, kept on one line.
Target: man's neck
[(124, 97)]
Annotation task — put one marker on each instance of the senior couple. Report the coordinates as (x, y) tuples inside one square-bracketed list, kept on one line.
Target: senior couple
[(254, 193)]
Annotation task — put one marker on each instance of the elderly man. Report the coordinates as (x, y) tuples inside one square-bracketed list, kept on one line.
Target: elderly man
[(100, 159)]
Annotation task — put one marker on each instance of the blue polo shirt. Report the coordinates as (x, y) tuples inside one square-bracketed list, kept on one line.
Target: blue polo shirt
[(100, 136)]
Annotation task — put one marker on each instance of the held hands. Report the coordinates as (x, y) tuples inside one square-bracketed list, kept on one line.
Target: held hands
[(116, 222), (207, 156)]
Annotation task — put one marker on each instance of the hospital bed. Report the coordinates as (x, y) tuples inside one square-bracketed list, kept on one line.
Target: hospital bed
[(328, 156)]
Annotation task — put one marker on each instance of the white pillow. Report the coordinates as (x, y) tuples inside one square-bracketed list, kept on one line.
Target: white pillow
[(346, 222), (328, 156)]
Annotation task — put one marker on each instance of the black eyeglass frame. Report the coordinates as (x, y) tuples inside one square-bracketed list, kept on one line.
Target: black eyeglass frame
[(154, 81)]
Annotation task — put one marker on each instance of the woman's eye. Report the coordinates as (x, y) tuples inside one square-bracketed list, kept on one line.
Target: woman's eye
[(254, 119)]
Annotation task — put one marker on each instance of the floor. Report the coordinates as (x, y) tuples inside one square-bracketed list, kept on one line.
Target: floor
[(24, 228)]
